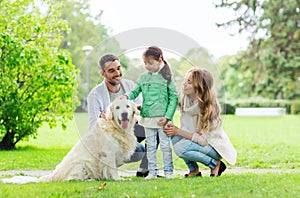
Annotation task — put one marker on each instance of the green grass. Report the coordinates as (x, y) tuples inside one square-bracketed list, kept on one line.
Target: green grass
[(265, 142), (261, 142), (244, 185), (44, 152)]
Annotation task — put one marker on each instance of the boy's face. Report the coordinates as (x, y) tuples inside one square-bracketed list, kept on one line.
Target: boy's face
[(112, 72), (151, 64)]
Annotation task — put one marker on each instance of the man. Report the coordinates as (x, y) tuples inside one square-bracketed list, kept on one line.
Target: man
[(110, 88)]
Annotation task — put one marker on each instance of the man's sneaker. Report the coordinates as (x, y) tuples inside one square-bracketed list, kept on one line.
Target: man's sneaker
[(169, 176), (142, 174), (150, 176)]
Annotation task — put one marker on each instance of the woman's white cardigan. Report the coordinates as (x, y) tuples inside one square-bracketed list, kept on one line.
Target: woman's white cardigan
[(216, 138), (219, 140)]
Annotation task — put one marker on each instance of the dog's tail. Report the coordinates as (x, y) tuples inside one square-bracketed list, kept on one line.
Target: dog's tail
[(20, 180), (27, 179), (46, 178)]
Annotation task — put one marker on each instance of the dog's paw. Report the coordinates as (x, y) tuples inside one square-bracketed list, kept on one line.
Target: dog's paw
[(126, 179), (117, 178), (122, 179)]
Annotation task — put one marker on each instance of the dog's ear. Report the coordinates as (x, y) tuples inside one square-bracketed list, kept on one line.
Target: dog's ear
[(109, 112), (134, 108)]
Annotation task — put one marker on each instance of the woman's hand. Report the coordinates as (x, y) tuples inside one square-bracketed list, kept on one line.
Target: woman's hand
[(171, 130)]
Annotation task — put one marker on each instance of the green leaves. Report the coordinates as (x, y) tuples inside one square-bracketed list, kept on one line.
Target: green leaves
[(274, 53), (37, 78)]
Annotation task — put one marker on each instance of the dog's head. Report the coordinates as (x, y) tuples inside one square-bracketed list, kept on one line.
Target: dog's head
[(122, 112)]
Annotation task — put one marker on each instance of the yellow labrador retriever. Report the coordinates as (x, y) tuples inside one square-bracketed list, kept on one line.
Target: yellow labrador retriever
[(98, 153)]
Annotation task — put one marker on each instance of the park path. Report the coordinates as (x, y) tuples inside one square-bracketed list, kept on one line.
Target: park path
[(38, 173)]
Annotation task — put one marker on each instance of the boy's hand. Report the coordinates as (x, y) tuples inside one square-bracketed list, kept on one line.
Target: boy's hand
[(139, 107), (162, 122)]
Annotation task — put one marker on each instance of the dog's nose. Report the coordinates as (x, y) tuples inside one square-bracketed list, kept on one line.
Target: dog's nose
[(124, 116)]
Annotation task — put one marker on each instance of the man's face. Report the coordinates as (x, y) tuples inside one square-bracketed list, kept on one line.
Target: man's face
[(112, 72)]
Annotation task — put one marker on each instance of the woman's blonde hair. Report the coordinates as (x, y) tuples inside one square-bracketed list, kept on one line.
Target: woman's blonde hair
[(209, 117)]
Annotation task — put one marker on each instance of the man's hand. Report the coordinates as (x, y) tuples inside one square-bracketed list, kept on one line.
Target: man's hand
[(103, 114), (123, 97)]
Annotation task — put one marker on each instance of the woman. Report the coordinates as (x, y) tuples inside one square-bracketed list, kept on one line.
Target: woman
[(201, 138)]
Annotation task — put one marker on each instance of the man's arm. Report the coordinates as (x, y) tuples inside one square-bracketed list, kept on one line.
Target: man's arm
[(93, 109)]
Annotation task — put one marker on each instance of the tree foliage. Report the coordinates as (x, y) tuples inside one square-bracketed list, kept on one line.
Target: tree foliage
[(273, 57), (37, 78), (86, 29), (194, 57)]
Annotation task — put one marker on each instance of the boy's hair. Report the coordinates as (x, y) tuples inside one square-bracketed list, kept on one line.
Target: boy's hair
[(107, 58), (156, 53)]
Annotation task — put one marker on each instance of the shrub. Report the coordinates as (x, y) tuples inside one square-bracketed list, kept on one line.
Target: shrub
[(295, 107), (259, 102), (228, 108)]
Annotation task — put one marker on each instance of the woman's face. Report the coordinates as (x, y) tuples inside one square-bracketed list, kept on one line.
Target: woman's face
[(151, 64), (187, 85)]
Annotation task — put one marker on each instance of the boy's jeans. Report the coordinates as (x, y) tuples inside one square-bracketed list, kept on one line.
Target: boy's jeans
[(165, 146)]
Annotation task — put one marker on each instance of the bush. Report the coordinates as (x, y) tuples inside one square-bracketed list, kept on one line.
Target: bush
[(228, 108), (295, 107), (258, 102)]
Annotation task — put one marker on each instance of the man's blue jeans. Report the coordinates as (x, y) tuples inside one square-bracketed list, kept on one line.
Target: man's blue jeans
[(138, 154)]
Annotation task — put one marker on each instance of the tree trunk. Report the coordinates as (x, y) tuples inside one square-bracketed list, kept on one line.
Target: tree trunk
[(7, 142), (279, 95)]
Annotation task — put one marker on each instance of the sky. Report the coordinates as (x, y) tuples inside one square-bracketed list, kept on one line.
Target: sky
[(194, 18)]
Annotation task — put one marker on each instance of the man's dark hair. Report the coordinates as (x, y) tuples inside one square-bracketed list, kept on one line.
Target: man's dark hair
[(107, 58)]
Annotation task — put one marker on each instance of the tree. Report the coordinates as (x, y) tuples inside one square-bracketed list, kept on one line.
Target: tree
[(236, 83), (194, 57), (86, 30), (37, 78), (273, 54)]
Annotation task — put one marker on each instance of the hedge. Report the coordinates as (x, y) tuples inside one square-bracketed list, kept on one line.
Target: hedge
[(292, 107)]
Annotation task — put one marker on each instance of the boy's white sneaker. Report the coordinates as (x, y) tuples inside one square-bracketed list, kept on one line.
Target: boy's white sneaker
[(169, 176), (151, 176)]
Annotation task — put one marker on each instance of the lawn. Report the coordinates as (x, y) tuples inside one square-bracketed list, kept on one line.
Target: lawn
[(261, 142), (244, 186)]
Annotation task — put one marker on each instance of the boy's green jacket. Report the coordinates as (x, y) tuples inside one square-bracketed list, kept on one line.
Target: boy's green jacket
[(160, 98)]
